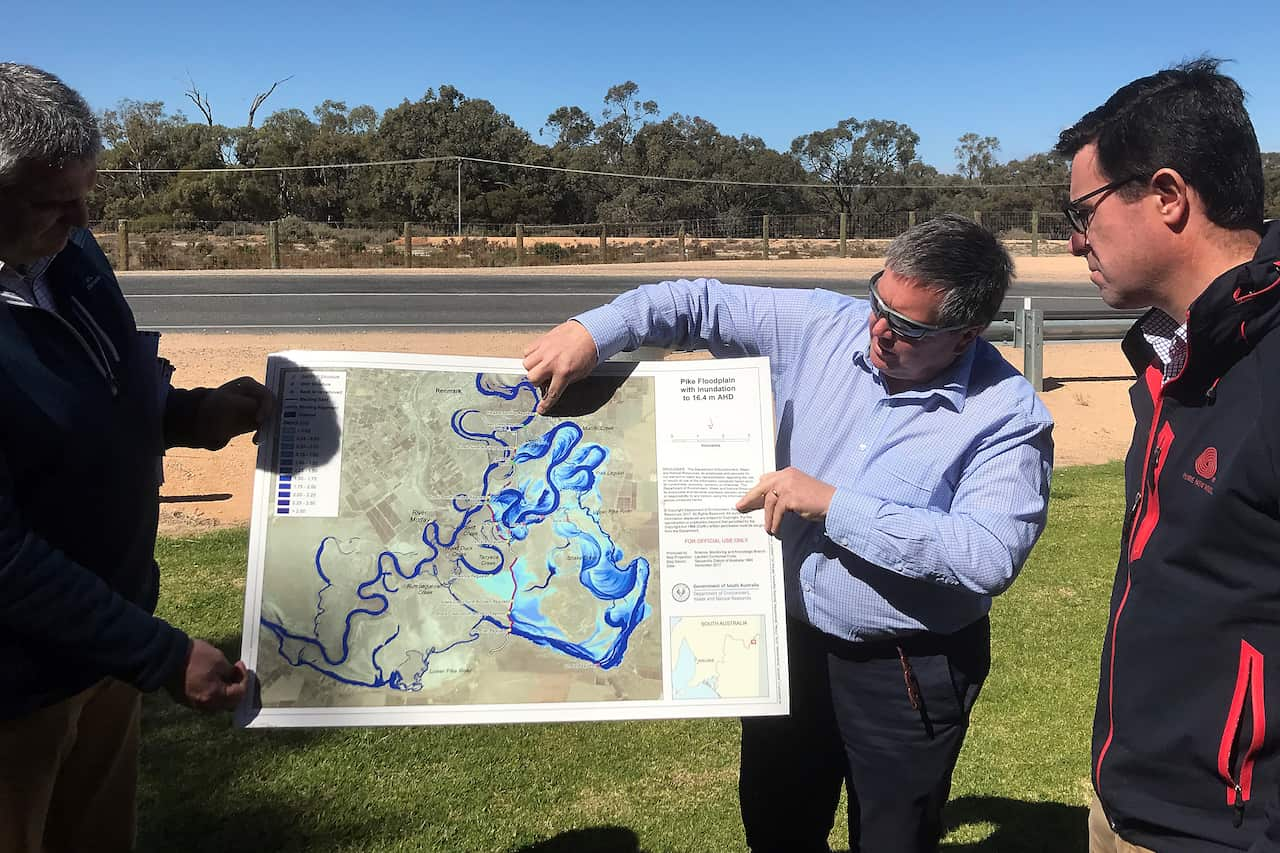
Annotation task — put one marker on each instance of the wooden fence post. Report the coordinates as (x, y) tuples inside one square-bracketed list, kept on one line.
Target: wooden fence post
[(408, 245), (844, 234), (519, 244), (1035, 233), (273, 242), (604, 244), (684, 255), (122, 245), (911, 219), (764, 239)]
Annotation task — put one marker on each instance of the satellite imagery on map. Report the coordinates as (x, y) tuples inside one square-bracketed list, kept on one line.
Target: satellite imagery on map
[(507, 544)]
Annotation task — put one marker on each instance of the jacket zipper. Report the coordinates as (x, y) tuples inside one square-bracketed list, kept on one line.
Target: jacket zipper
[(1249, 687), (1154, 378), (1150, 493), (98, 359)]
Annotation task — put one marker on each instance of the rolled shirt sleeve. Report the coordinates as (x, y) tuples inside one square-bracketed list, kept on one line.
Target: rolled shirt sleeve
[(726, 319), (982, 540)]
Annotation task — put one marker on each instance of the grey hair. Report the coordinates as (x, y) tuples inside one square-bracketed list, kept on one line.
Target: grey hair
[(42, 120), (959, 257)]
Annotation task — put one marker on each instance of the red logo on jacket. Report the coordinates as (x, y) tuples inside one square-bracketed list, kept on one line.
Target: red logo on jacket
[(1207, 463)]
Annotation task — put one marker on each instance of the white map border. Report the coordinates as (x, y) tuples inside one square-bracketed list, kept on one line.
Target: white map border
[(748, 372)]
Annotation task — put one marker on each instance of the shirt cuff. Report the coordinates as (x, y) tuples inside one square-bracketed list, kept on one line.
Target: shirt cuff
[(608, 328), (850, 518)]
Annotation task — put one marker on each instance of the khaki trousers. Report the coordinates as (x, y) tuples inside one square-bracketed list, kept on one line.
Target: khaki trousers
[(1102, 839), (69, 772)]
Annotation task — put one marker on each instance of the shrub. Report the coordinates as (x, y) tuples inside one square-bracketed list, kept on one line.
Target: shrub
[(295, 229), (553, 252), (238, 229), (153, 222)]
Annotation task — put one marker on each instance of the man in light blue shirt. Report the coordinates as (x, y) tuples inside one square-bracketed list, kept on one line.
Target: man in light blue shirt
[(913, 482)]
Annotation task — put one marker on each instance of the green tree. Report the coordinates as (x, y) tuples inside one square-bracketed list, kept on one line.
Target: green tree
[(856, 154), (572, 127), (975, 155), (139, 136), (1271, 177), (692, 147), (444, 124), (1039, 183), (283, 139), (621, 119), (342, 135)]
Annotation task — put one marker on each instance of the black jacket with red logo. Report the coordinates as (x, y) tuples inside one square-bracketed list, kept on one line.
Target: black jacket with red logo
[(1183, 756)]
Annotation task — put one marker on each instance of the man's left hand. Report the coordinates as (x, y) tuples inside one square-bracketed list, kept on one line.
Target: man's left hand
[(234, 408), (788, 490)]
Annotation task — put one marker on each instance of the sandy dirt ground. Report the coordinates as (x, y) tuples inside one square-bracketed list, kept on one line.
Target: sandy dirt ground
[(1086, 384), (1051, 268)]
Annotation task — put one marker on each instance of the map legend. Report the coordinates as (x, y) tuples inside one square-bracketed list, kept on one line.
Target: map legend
[(309, 443)]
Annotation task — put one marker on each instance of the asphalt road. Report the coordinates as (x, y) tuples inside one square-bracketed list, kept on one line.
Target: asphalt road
[(490, 302)]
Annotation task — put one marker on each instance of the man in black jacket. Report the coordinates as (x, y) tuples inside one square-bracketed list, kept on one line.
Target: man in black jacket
[(87, 414), (1167, 189)]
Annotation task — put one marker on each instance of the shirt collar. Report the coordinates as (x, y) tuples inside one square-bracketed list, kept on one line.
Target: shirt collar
[(951, 385), (33, 271), (26, 285), (1167, 339)]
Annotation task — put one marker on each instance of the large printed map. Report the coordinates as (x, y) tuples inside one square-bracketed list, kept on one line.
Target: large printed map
[(426, 540)]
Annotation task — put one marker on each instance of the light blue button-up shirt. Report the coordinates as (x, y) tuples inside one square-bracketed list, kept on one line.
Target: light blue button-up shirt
[(940, 490)]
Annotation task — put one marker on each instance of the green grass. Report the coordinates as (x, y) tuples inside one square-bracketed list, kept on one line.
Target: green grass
[(1022, 783)]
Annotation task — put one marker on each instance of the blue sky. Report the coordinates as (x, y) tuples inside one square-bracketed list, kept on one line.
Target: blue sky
[(1016, 71)]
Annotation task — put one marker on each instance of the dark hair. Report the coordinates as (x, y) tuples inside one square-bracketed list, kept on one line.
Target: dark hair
[(1189, 118), (960, 258)]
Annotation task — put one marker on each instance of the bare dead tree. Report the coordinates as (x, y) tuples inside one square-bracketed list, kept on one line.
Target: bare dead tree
[(201, 100), (262, 96)]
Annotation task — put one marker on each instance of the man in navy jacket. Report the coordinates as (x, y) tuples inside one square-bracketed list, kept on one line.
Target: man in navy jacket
[(87, 414), (1167, 208)]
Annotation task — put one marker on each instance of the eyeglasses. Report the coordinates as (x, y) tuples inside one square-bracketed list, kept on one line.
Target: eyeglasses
[(1078, 217), (901, 325)]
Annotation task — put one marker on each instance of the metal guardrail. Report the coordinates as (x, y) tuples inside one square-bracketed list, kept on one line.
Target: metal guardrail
[(1029, 326), (1026, 326)]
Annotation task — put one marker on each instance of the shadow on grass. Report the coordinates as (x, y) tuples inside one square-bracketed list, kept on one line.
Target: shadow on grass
[(192, 795), (201, 784), (1019, 825), (596, 839)]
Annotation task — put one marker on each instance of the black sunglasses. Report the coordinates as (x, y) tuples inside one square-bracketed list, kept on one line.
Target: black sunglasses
[(1078, 217), (901, 325)]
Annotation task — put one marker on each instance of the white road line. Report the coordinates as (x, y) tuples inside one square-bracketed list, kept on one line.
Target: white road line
[(1020, 296)]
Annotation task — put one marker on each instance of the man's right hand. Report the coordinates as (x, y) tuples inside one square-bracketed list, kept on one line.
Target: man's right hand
[(563, 355), (208, 681)]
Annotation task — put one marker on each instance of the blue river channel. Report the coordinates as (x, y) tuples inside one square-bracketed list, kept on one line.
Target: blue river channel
[(551, 479)]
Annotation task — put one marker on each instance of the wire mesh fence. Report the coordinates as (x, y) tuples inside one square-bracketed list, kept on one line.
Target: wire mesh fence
[(293, 243)]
